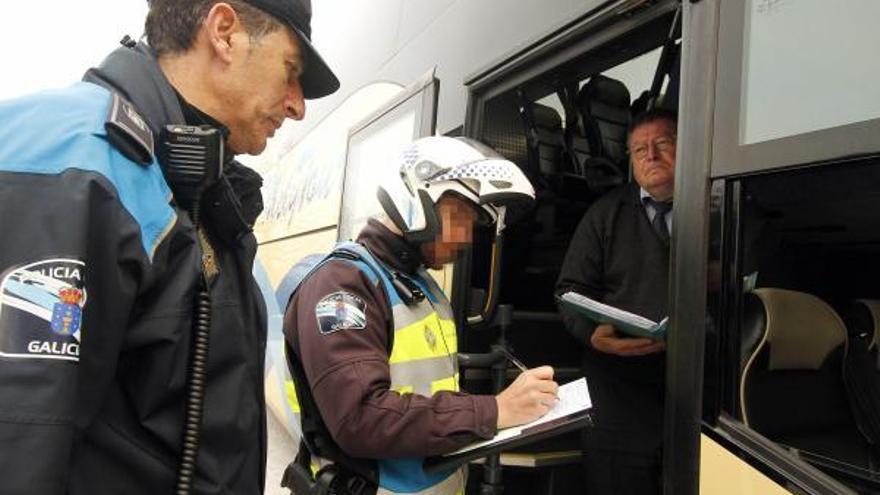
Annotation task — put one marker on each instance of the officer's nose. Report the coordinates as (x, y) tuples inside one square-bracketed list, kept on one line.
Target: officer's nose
[(294, 103)]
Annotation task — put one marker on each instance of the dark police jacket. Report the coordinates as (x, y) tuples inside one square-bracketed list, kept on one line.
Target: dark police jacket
[(98, 271), (350, 371)]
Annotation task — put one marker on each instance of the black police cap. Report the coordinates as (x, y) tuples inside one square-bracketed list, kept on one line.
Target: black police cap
[(317, 80)]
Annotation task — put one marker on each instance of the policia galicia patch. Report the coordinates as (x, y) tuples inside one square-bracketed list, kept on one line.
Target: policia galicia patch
[(41, 307), (341, 311)]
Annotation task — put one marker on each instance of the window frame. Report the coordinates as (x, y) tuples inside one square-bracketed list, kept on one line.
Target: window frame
[(774, 461), (722, 422), (729, 157), (423, 95), (529, 68)]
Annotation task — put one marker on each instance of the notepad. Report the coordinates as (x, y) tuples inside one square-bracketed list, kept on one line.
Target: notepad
[(623, 321), (570, 413), (573, 397)]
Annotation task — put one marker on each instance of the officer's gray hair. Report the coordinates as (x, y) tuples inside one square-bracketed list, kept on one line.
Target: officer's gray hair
[(172, 25)]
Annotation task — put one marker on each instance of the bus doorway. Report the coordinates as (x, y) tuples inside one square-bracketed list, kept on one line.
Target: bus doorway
[(562, 115)]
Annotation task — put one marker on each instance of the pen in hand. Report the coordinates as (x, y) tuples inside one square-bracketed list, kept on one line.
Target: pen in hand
[(516, 362)]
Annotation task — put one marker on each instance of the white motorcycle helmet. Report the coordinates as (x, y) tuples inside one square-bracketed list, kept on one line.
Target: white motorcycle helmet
[(432, 167)]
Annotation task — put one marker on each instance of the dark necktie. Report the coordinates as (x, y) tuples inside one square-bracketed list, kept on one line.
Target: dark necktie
[(658, 223)]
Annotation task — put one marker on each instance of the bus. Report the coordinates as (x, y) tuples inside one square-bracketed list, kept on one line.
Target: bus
[(773, 373)]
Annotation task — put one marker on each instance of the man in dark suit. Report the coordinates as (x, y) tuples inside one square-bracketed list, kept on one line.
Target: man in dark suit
[(619, 255)]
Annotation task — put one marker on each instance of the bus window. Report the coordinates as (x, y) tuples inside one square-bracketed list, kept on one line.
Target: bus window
[(806, 363), (374, 143), (793, 84), (302, 181), (807, 66)]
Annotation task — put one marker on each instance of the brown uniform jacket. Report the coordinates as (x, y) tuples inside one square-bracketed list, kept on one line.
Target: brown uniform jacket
[(348, 369)]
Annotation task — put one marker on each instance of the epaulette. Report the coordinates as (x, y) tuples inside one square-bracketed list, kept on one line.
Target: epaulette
[(128, 132)]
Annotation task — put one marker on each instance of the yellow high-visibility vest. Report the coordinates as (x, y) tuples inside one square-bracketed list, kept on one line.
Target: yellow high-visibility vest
[(422, 361)]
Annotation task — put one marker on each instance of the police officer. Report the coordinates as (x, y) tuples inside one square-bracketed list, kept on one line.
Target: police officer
[(375, 336), (102, 262)]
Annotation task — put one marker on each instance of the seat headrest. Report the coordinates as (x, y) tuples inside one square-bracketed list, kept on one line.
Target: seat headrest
[(801, 329), (605, 98), (546, 117)]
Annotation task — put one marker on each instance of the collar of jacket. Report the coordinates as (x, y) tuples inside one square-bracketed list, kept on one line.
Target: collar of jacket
[(390, 248), (235, 202), (135, 74)]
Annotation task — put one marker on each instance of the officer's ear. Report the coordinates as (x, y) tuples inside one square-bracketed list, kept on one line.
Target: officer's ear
[(220, 28)]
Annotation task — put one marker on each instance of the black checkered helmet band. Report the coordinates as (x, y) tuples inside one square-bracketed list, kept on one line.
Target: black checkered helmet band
[(433, 167)]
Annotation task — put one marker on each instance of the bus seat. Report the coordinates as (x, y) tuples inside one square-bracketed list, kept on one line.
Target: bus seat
[(791, 388), (548, 139), (561, 199), (604, 106), (862, 370), (558, 183)]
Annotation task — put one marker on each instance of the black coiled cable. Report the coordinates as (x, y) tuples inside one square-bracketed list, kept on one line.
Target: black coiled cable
[(195, 390)]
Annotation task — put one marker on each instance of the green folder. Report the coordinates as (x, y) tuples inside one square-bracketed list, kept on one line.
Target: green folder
[(623, 321)]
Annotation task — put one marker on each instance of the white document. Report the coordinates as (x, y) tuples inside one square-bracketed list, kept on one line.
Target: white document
[(617, 314), (623, 321), (572, 397)]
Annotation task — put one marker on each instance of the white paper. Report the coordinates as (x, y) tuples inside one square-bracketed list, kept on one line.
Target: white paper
[(616, 313), (572, 397)]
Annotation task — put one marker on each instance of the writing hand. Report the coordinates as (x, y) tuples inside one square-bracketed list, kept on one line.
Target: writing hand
[(528, 398)]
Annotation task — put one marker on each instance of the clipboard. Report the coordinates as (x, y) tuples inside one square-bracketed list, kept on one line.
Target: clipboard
[(558, 426), (623, 321)]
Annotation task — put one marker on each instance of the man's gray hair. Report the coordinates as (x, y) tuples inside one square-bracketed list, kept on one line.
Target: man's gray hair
[(172, 25)]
